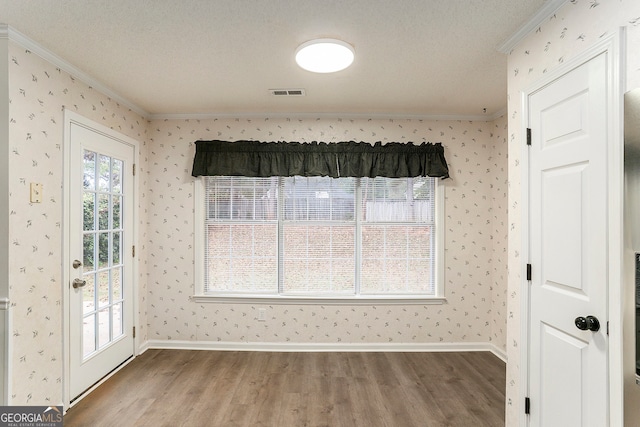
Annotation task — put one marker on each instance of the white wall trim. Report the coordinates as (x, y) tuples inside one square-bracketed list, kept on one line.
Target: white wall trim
[(498, 114), (544, 13), (33, 47), (525, 258), (329, 116), (616, 57), (294, 300), (323, 347), (199, 243)]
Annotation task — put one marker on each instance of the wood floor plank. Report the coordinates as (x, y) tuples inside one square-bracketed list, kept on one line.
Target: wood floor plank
[(218, 388)]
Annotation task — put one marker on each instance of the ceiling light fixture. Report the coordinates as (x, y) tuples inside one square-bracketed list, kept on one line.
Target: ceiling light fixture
[(324, 55)]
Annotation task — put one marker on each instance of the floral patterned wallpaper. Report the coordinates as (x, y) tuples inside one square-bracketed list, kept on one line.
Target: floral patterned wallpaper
[(476, 233), (38, 94), (578, 25)]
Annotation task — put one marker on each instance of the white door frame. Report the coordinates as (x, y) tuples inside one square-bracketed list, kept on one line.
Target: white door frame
[(69, 118), (612, 45)]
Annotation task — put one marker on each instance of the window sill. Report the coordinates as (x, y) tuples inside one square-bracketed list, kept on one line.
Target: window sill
[(298, 300)]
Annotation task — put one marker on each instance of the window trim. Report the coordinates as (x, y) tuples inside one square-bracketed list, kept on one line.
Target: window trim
[(201, 296)]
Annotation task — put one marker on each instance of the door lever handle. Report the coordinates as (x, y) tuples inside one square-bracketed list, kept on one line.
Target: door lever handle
[(78, 283)]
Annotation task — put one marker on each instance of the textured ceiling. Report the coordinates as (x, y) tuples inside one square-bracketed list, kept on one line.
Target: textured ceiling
[(413, 57)]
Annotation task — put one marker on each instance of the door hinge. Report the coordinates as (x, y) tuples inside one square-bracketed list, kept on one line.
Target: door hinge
[(607, 328), (528, 136), (133, 251), (134, 331), (134, 169), (529, 272), (527, 405)]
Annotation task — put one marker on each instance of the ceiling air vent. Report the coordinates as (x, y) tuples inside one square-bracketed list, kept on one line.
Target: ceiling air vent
[(287, 92)]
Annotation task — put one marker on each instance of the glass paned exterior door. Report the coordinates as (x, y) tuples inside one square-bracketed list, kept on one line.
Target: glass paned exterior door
[(101, 261)]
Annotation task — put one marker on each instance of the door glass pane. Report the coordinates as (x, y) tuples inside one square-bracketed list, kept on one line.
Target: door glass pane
[(103, 250), (89, 293), (103, 211), (89, 201), (88, 334), (117, 320), (104, 327), (116, 275), (89, 178), (103, 288), (116, 209), (104, 167), (116, 248), (88, 251), (116, 176)]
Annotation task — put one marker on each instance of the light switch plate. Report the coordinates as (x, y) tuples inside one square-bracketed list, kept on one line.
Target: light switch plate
[(35, 192)]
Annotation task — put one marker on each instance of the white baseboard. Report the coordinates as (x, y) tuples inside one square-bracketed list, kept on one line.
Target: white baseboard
[(499, 353), (143, 347), (322, 347)]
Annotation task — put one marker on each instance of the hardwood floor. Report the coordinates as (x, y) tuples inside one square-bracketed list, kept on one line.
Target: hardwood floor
[(216, 388)]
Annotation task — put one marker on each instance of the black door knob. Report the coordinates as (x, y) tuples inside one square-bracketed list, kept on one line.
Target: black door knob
[(589, 323)]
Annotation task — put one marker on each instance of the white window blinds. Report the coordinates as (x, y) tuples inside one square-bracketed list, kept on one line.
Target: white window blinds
[(320, 236)]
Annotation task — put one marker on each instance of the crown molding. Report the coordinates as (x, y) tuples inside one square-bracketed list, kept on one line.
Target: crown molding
[(545, 12), (498, 114), (355, 116), (33, 47)]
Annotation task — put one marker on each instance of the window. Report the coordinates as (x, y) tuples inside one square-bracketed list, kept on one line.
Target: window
[(296, 238)]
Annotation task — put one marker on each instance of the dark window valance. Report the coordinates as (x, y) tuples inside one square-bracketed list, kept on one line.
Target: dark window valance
[(341, 159)]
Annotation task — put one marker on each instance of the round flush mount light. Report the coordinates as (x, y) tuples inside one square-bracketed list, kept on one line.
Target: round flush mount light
[(324, 55)]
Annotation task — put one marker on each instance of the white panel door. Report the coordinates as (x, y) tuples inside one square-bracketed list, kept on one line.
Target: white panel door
[(568, 250), (100, 236)]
